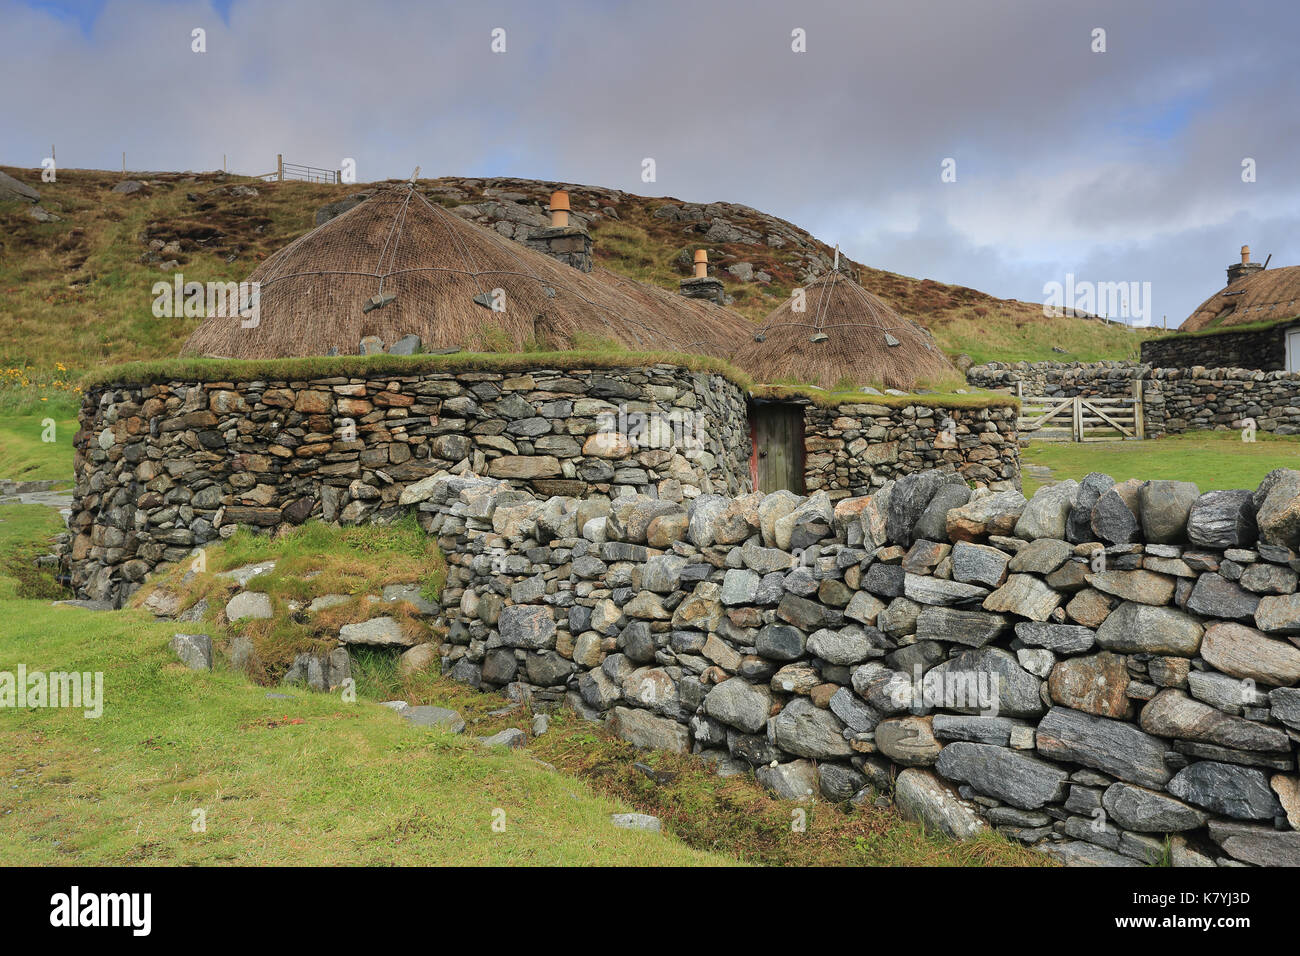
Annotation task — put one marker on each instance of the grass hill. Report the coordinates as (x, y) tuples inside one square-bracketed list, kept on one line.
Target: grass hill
[(77, 271)]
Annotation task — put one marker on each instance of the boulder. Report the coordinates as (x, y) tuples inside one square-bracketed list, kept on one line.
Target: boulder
[(15, 190), (804, 729), (1232, 791), (1246, 653), (1279, 509), (1166, 506), (1278, 614), (1143, 629), (972, 628), (644, 729), (1215, 596), (923, 798), (1171, 713), (740, 704), (1078, 528), (1111, 746), (1048, 512), (1145, 587), (194, 650), (848, 645), (1257, 845), (796, 780), (979, 564), (996, 513), (527, 625), (908, 500), (434, 718), (1147, 811), (986, 680), (1222, 519), (1113, 521), (376, 632), (1010, 776), (1097, 684), (1025, 595), (248, 604), (1059, 638), (908, 741)]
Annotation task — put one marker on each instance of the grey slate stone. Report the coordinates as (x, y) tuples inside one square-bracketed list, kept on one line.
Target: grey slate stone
[(1015, 778), (1239, 792), (1111, 746)]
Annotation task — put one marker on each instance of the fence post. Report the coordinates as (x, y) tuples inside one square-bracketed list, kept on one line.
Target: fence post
[(279, 166), (1078, 419), (1139, 412)]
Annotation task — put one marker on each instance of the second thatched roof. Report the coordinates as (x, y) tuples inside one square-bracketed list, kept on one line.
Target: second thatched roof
[(442, 274), (844, 335), (1270, 295)]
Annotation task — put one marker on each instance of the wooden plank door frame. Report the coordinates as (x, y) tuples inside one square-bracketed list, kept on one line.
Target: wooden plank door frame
[(796, 410)]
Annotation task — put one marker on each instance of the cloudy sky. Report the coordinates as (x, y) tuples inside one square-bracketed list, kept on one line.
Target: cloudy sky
[(1115, 166)]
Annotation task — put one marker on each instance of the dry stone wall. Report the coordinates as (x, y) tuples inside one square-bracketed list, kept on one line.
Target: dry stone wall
[(1193, 399), (855, 448), (1059, 379), (1108, 672), (1255, 349), (164, 468), (1174, 400)]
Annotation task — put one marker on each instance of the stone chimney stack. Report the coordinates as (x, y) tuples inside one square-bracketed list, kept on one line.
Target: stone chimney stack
[(1239, 270), (571, 245), (702, 285)]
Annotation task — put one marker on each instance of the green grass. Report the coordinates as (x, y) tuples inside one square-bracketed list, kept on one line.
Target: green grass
[(310, 560), (1033, 338), (306, 781), (25, 533), (25, 455), (1212, 460), (315, 780)]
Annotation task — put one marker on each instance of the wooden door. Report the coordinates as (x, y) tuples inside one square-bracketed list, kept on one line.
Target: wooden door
[(778, 444), (1293, 350)]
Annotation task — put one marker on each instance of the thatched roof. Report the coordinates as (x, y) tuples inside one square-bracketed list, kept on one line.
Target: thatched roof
[(1271, 295), (313, 293), (844, 334)]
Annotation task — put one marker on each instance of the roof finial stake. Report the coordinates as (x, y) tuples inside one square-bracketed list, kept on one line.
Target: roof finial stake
[(837, 257), (415, 175)]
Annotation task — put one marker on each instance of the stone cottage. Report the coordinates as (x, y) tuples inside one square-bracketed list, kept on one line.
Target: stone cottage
[(1253, 322)]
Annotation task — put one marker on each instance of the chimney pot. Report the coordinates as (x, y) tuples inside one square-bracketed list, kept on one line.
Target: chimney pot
[(701, 263), (1244, 268), (559, 208)]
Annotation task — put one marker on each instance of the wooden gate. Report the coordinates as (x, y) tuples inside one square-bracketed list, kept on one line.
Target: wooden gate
[(1052, 418), (777, 433)]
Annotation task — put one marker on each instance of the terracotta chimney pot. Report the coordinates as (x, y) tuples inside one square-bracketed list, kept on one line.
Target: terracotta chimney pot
[(701, 263), (559, 208)]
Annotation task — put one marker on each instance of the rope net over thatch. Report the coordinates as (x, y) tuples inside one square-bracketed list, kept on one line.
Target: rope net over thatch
[(397, 264), (843, 335)]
